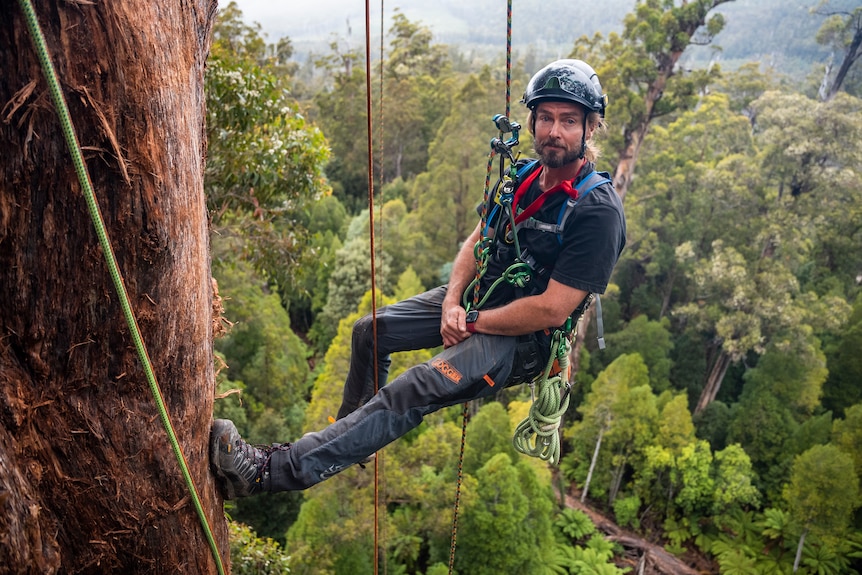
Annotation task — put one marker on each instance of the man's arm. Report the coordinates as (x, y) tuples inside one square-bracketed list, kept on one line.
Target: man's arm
[(533, 313), (519, 317), (453, 326)]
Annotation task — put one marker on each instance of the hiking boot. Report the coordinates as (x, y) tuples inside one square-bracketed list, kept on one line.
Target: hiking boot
[(241, 469)]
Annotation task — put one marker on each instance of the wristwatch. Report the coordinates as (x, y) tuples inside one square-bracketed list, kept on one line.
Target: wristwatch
[(472, 316)]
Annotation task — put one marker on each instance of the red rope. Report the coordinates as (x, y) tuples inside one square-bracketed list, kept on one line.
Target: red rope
[(372, 249)]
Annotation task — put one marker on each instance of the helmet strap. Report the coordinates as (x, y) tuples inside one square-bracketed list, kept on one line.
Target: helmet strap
[(583, 151)]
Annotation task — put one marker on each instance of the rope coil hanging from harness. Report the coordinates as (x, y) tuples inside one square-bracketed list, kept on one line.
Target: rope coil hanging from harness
[(538, 434)]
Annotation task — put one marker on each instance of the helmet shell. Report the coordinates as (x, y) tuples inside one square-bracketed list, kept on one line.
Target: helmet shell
[(566, 80)]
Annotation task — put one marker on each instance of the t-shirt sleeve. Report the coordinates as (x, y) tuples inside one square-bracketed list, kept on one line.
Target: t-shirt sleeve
[(592, 244)]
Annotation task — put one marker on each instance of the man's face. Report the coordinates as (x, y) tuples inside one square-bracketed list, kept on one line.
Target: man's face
[(558, 134)]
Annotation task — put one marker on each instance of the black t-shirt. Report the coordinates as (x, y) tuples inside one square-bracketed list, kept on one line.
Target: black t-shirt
[(583, 256)]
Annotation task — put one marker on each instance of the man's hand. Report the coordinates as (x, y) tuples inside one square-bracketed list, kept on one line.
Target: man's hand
[(453, 325)]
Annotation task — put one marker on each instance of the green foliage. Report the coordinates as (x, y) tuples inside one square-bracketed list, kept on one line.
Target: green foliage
[(627, 511), (348, 282), (823, 490), (842, 388), (762, 425), (622, 410), (490, 434), (574, 524), (847, 436), (649, 339), (793, 370), (253, 555), (446, 195), (711, 424), (264, 161), (506, 521), (589, 561), (733, 481), (261, 351)]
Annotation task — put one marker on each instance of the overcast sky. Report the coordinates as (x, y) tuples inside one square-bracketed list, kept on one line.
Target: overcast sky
[(303, 19)]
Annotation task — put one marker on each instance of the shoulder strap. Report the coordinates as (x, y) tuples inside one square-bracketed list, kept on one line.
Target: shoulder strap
[(587, 185), (592, 181), (528, 165)]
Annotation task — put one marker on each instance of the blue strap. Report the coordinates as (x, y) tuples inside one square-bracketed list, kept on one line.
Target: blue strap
[(587, 185), (590, 183), (526, 168)]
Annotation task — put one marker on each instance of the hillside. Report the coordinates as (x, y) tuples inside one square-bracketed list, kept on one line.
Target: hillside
[(777, 32)]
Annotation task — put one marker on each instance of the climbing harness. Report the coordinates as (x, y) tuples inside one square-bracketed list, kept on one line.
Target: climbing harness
[(86, 185)]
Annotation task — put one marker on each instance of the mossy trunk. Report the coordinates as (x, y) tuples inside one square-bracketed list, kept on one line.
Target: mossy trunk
[(88, 480)]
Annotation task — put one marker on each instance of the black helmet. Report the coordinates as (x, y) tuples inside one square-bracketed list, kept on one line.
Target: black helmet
[(566, 81)]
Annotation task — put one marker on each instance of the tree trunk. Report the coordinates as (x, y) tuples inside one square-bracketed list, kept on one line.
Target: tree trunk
[(88, 480), (616, 482), (854, 50), (593, 464), (713, 382), (634, 134), (799, 550)]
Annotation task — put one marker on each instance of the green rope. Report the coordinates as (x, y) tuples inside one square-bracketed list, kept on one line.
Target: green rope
[(113, 268), (538, 434)]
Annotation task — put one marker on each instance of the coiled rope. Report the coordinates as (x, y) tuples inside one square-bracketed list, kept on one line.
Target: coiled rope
[(86, 185), (538, 434)]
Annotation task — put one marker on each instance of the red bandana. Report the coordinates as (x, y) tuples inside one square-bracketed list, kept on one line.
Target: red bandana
[(564, 186)]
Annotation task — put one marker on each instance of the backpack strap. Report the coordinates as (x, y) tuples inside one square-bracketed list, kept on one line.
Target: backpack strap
[(587, 185)]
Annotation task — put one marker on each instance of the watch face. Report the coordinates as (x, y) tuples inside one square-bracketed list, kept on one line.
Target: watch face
[(472, 316)]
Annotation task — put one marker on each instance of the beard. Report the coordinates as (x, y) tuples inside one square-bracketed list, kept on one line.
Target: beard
[(555, 154)]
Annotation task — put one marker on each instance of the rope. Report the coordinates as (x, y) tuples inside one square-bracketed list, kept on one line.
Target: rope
[(538, 434), (379, 460), (482, 251), (464, 419), (372, 246), (84, 178)]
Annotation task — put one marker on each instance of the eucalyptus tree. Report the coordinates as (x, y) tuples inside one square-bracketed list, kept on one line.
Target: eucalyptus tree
[(417, 88), (88, 479), (822, 494), (640, 73), (842, 31), (785, 273)]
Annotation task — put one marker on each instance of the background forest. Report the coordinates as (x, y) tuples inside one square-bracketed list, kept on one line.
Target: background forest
[(724, 419)]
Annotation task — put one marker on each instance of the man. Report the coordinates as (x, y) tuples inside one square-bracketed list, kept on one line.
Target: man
[(571, 241)]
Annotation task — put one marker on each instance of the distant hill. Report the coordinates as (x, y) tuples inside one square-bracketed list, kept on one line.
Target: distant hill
[(776, 32)]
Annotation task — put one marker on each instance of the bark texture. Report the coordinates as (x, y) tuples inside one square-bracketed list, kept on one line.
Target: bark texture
[(88, 481)]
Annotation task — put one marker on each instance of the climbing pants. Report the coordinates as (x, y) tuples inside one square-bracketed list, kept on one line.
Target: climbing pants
[(477, 367)]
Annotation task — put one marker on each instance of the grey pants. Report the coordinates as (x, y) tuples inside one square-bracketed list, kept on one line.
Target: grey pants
[(477, 367)]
